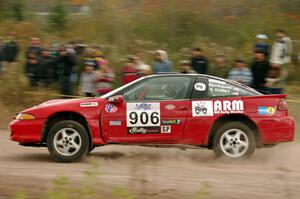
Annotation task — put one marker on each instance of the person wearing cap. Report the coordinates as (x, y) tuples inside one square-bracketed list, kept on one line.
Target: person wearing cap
[(262, 44), (240, 72), (88, 78), (260, 67), (185, 67), (199, 62)]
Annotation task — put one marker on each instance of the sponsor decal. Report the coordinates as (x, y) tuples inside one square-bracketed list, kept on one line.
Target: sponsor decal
[(209, 108), (110, 108), (170, 107), (202, 108), (200, 87), (215, 81), (175, 121), (266, 110), (219, 87), (89, 104), (142, 114), (143, 130), (228, 106), (115, 123), (165, 129)]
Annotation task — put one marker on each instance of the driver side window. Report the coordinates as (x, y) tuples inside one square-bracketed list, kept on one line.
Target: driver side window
[(159, 88)]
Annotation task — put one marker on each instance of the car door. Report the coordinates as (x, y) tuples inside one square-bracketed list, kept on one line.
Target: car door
[(198, 117), (153, 110)]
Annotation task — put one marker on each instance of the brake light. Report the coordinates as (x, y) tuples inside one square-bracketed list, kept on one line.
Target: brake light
[(282, 105)]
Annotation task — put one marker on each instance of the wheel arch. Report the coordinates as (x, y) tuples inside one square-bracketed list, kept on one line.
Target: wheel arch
[(65, 115), (235, 117)]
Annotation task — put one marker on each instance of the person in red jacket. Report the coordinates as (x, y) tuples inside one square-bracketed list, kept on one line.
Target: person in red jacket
[(106, 77), (129, 71)]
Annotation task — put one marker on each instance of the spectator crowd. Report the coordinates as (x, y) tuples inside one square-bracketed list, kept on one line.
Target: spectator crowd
[(72, 63)]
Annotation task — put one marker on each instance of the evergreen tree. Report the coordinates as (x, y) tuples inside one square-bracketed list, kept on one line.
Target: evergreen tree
[(58, 17), (18, 10)]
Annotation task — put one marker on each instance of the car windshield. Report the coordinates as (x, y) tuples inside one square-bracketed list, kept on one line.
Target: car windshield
[(113, 92)]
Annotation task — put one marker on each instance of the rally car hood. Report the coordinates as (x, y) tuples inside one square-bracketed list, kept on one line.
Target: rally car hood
[(82, 106), (84, 102), (59, 101)]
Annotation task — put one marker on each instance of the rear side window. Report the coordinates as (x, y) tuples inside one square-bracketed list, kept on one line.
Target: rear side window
[(200, 88), (219, 88)]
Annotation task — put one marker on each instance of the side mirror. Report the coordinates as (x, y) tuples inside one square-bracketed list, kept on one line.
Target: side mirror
[(118, 99)]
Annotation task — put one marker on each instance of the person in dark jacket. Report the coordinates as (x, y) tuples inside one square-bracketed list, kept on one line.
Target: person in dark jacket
[(1, 54), (262, 44), (65, 63), (260, 68), (199, 62), (219, 67), (46, 67), (32, 69), (10, 51), (34, 47)]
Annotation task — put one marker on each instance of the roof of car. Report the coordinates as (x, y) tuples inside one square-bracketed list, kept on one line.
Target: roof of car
[(203, 75)]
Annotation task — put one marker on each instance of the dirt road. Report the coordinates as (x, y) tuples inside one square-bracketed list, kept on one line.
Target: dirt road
[(271, 173)]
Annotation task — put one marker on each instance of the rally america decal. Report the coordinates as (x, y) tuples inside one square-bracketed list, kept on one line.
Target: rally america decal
[(209, 108), (143, 118)]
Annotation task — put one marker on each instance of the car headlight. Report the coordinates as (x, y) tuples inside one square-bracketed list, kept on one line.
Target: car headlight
[(25, 116)]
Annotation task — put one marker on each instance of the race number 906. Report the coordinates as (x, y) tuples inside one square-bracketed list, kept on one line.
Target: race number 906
[(143, 114), (144, 118)]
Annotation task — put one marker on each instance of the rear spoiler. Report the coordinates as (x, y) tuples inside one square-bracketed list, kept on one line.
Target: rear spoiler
[(266, 96)]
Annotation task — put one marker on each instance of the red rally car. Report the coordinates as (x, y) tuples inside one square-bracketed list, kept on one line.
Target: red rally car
[(160, 110)]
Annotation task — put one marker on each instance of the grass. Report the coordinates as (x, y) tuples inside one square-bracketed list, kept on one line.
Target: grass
[(90, 187)]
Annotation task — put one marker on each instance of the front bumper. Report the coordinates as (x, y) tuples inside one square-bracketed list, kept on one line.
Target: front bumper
[(277, 129), (27, 131)]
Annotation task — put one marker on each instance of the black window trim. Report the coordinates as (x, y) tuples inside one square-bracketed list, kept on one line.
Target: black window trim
[(187, 95), (230, 82)]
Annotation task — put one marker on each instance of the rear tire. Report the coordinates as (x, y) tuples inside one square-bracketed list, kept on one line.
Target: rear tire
[(234, 140), (68, 141)]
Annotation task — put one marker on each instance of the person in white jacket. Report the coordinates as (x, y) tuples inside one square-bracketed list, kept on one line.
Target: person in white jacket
[(280, 58), (282, 49)]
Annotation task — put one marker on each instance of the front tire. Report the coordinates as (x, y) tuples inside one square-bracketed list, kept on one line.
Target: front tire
[(68, 141), (234, 140)]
